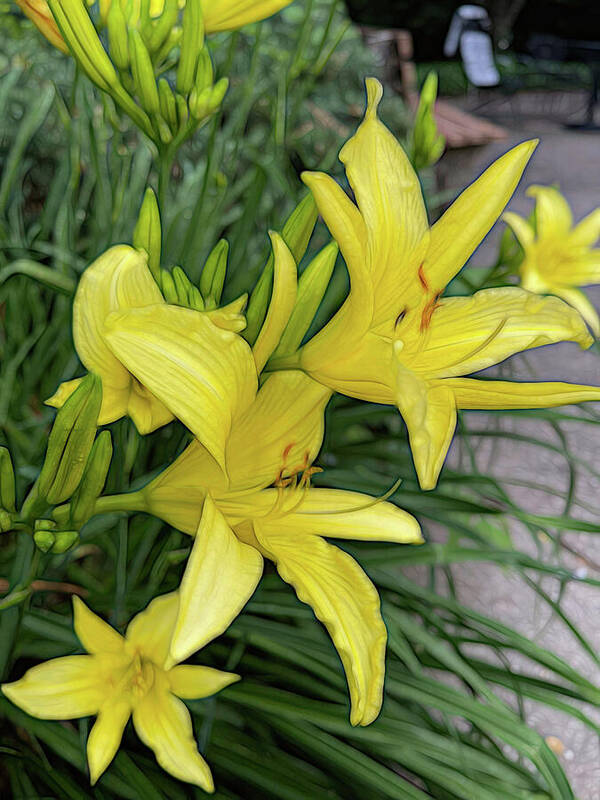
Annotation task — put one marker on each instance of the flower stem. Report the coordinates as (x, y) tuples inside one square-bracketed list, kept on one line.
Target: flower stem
[(129, 501)]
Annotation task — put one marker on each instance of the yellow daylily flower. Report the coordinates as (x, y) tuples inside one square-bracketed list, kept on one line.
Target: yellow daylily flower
[(395, 340), (267, 509), (122, 677), (559, 256), (158, 361), (39, 13)]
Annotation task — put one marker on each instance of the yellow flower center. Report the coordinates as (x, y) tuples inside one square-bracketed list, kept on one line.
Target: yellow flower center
[(137, 678)]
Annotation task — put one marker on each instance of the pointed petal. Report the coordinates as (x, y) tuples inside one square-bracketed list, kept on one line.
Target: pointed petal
[(345, 601), (587, 232), (430, 416), (339, 514), (39, 13), (467, 334), (521, 229), (105, 737), (95, 635), (193, 683), (62, 688), (225, 15), (203, 374), (552, 212), (390, 200), (151, 629), (114, 401), (221, 575), (283, 299), (163, 723), (461, 228), (577, 299), (484, 394), (118, 280)]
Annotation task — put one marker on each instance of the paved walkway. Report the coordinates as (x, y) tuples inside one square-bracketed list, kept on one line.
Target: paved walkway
[(571, 159)]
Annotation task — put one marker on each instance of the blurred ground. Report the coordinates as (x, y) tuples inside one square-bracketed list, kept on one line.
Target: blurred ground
[(572, 159)]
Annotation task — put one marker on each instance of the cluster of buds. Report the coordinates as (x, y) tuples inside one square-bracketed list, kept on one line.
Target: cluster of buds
[(134, 68), (74, 470)]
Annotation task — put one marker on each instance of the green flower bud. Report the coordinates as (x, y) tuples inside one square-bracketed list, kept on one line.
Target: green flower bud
[(182, 286), (143, 73), (44, 540), (117, 36), (167, 286), (7, 481), (168, 106), (213, 274), (148, 232), (64, 540), (6, 521), (70, 442), (192, 42), (93, 480)]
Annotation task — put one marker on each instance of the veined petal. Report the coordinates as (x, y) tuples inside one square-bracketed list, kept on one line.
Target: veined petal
[(553, 216), (339, 514), (461, 228), (118, 280), (521, 229), (467, 334), (146, 411), (204, 374), (390, 200), (221, 575), (95, 635), (227, 15), (105, 736), (471, 393), (345, 601), (587, 232), (39, 13), (60, 689), (152, 628), (193, 683), (163, 723), (577, 299), (429, 412), (283, 299)]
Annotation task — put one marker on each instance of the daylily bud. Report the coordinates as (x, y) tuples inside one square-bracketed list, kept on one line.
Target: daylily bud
[(168, 107), (183, 112), (41, 16), (6, 521), (143, 73), (117, 36), (167, 286), (93, 480), (163, 27), (192, 42), (312, 286), (182, 286), (213, 274), (7, 481), (70, 442), (147, 234), (44, 540), (427, 144), (204, 71), (64, 540), (296, 234)]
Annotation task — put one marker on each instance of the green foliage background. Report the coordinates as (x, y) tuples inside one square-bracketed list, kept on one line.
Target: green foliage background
[(72, 180)]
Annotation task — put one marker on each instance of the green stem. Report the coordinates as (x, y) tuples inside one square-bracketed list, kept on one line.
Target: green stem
[(129, 501), (165, 162)]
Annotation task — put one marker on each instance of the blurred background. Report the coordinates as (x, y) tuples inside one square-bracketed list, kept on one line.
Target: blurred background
[(512, 528)]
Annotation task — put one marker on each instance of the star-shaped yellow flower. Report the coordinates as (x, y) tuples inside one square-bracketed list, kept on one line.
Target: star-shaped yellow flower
[(396, 340), (122, 677), (559, 256), (267, 509)]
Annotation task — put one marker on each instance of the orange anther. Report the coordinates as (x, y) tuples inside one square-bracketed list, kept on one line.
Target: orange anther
[(422, 278)]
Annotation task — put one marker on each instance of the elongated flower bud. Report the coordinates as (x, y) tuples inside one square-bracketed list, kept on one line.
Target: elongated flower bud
[(7, 481), (213, 274), (192, 42), (148, 232), (70, 442), (64, 540), (167, 286), (168, 106), (117, 36), (93, 480), (143, 73)]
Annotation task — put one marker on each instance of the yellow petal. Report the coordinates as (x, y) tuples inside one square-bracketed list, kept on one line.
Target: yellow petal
[(227, 15), (151, 629), (461, 228), (163, 723), (430, 416), (193, 683), (586, 232), (339, 514), (345, 601), (115, 402), (146, 411), (221, 575), (283, 299), (552, 213), (39, 13), (62, 688), (521, 228), (483, 394), (95, 635), (203, 374), (105, 737), (467, 334), (390, 200), (577, 299), (288, 413)]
